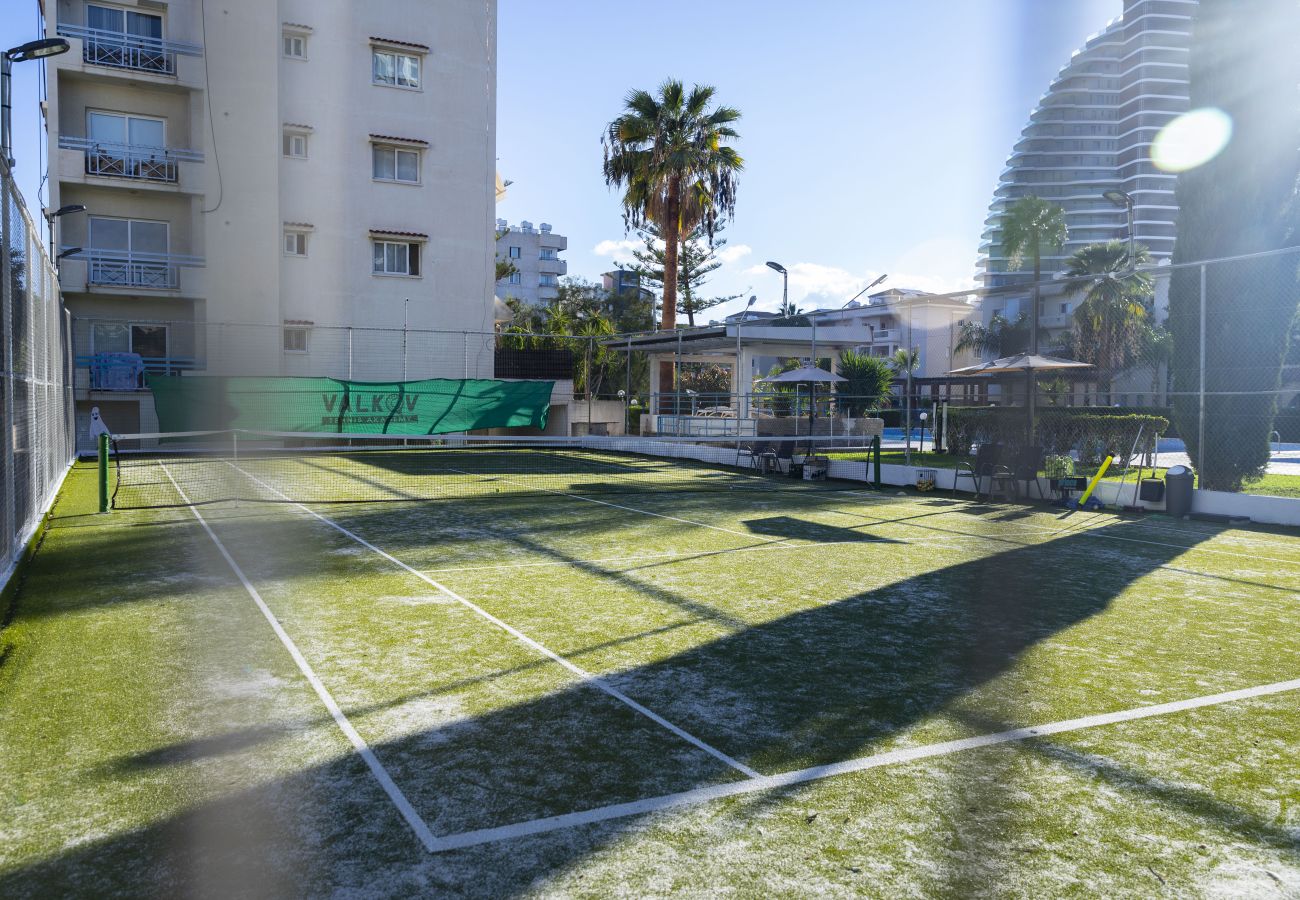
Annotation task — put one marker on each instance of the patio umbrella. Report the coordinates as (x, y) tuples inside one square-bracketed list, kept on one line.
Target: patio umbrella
[(809, 375), (1029, 363)]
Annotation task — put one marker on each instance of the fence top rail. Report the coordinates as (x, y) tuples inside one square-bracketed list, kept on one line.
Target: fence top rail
[(131, 40)]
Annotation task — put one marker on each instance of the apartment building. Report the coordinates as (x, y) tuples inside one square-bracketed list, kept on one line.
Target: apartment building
[(1092, 132), (535, 254), (273, 187), (897, 318)]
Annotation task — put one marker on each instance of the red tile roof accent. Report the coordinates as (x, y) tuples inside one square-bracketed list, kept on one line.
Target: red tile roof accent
[(388, 232), (392, 138), (383, 40)]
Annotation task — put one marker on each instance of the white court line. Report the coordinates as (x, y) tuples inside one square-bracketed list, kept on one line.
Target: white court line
[(594, 680), (377, 769), (644, 512), (682, 555), (817, 773)]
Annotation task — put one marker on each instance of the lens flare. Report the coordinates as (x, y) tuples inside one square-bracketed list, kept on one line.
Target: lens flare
[(1192, 139)]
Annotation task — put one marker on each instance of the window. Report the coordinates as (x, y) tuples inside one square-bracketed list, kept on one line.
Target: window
[(123, 21), (395, 69), (547, 281), (548, 253), (514, 252), (295, 242), (295, 45), (128, 235), (516, 278), (295, 144), (150, 341), (295, 339), (124, 130), (396, 258), (394, 164), (1065, 308)]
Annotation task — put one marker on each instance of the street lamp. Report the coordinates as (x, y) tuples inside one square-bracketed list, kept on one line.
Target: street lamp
[(1124, 201), (785, 285), (59, 213), (864, 290), (924, 416), (30, 50)]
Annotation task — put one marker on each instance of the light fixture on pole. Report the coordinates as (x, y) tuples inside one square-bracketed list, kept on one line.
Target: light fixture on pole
[(924, 416), (864, 290), (22, 53), (59, 213), (785, 285), (1124, 201)]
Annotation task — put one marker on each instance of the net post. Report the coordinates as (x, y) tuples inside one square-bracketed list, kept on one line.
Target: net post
[(103, 473), (875, 457)]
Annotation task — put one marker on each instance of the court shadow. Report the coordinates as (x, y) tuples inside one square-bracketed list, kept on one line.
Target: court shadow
[(795, 529), (819, 685)]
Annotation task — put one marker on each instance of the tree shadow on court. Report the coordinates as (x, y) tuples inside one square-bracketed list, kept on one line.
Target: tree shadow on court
[(819, 685)]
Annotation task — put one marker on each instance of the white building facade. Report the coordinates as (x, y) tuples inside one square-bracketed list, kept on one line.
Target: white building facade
[(535, 254), (275, 187)]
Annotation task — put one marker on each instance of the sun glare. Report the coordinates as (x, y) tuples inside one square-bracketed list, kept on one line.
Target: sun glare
[(1192, 139)]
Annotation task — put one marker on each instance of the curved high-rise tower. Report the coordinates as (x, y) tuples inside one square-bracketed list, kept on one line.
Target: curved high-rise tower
[(1092, 132)]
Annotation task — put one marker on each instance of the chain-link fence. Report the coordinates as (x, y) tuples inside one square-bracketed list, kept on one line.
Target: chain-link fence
[(36, 396), (1183, 364)]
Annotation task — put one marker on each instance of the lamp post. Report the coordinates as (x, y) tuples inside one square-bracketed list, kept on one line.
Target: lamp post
[(864, 290), (22, 53), (785, 285), (1124, 201), (58, 214), (924, 416)]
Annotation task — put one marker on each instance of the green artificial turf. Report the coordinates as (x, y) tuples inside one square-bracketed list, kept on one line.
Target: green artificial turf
[(159, 739)]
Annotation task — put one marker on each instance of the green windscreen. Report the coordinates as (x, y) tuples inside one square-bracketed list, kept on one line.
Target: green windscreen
[(431, 406)]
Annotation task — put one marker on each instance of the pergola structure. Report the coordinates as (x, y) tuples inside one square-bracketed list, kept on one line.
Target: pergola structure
[(746, 349)]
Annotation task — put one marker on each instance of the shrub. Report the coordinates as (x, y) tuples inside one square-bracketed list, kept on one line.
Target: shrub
[(1061, 430)]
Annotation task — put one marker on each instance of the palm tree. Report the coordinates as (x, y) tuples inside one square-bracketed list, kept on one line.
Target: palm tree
[(1112, 320), (1029, 227), (867, 384), (904, 361), (1001, 337), (667, 153)]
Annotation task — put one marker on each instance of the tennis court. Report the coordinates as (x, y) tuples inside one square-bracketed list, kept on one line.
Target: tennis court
[(554, 670)]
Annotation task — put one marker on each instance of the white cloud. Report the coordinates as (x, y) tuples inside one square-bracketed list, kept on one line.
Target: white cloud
[(731, 254), (616, 248)]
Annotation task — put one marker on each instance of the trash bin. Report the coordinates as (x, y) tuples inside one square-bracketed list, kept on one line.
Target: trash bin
[(1178, 491)]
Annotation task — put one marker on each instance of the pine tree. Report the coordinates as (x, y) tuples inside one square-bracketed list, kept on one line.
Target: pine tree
[(1243, 62)]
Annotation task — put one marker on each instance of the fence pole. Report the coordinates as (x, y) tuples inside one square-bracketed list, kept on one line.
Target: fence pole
[(907, 399), (1200, 417), (464, 349), (349, 353), (406, 307), (8, 510), (591, 352), (103, 473)]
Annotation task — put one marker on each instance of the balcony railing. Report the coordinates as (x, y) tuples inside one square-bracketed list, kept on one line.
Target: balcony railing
[(126, 161), (126, 371), (121, 268), (129, 51)]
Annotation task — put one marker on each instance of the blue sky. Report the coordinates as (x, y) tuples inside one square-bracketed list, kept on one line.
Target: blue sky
[(873, 132)]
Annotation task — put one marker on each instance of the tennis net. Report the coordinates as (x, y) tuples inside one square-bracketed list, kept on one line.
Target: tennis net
[(191, 468)]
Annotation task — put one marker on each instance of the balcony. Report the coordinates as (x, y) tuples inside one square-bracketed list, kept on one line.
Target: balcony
[(128, 51), (155, 164), (130, 270), (121, 372)]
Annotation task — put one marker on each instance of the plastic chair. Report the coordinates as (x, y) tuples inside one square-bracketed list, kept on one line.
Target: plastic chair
[(987, 457)]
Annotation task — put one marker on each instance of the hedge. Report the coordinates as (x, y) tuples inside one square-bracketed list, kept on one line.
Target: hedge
[(1090, 433)]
